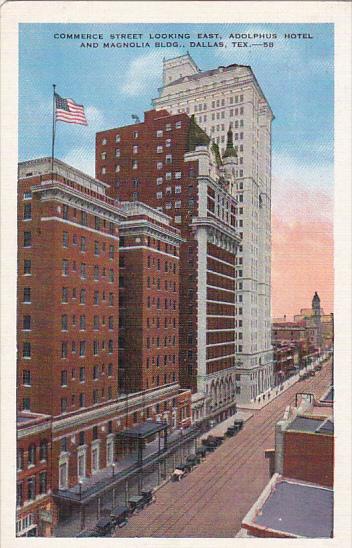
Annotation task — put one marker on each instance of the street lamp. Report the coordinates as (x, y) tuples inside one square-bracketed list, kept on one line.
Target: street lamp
[(113, 469), (80, 482)]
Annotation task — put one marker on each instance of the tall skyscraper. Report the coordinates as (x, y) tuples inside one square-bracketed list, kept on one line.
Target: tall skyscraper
[(230, 96)]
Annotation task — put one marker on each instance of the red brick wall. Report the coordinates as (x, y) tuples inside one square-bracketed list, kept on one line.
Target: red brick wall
[(46, 309), (309, 457)]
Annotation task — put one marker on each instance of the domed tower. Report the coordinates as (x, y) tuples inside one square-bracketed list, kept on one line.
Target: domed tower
[(317, 318)]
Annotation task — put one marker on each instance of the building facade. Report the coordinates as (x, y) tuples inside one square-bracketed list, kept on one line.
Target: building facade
[(70, 327), (220, 98), (167, 162)]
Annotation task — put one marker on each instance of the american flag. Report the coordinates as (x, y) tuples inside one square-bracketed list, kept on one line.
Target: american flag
[(66, 110)]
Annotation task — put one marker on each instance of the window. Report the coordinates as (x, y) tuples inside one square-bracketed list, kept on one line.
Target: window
[(27, 323), (110, 370), (65, 239), (111, 276), (96, 297), (159, 149), (27, 195), (134, 164), (111, 299), (20, 460), (177, 204), (168, 159), (117, 153), (135, 134), (95, 347), (117, 138), (26, 404), (82, 348), (159, 195), (111, 346), (64, 377), (82, 374), (159, 133), (168, 176), (42, 483), (31, 488), (27, 266), (65, 267), (168, 143), (159, 165), (26, 377), (95, 396), (178, 125), (82, 296), (64, 322), (81, 438), (159, 181), (81, 400), (27, 212), (32, 453), (27, 239), (82, 322), (64, 350), (26, 352), (84, 217)]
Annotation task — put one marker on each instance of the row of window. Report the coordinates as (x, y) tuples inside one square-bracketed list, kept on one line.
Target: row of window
[(168, 303), (31, 488), (168, 266), (83, 271), (97, 396), (98, 346), (168, 285), (82, 242), (155, 341), (157, 360), (97, 297), (135, 134), (32, 454), (97, 321), (97, 372), (99, 224)]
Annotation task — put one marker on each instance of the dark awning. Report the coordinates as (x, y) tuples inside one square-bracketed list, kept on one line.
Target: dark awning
[(143, 430)]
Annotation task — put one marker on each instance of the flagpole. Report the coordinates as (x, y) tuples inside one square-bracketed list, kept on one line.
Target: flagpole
[(53, 132)]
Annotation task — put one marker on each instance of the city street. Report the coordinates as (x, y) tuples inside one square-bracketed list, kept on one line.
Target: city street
[(212, 500)]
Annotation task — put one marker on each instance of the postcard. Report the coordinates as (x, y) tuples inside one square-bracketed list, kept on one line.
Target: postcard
[(175, 321)]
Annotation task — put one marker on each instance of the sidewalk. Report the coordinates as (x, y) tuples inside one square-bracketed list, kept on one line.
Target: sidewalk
[(220, 429)]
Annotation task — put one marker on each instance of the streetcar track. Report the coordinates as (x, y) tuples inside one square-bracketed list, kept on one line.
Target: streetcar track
[(268, 417)]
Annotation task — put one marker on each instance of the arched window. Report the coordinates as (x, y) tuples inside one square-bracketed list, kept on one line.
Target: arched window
[(32, 454)]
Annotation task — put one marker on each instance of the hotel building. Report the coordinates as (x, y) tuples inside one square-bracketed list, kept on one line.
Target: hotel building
[(219, 98)]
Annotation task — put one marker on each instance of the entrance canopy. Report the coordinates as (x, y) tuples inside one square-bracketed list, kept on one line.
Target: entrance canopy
[(143, 430)]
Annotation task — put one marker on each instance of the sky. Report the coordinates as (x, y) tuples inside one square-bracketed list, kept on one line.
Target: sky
[(296, 76)]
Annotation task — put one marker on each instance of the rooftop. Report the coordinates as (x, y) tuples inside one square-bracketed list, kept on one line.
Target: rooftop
[(299, 509), (313, 425)]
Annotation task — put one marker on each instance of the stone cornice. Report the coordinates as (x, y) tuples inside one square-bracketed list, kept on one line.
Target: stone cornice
[(146, 228), (57, 190), (221, 235)]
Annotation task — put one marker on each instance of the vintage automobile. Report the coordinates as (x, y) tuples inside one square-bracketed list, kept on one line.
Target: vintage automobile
[(149, 497), (104, 527), (231, 431), (238, 424), (201, 452), (119, 516), (136, 503), (193, 460)]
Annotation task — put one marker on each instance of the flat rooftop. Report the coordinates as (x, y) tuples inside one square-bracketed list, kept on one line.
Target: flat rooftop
[(312, 425), (299, 509)]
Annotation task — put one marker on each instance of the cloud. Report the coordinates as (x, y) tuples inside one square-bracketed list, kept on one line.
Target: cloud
[(302, 263), (141, 72), (82, 158)]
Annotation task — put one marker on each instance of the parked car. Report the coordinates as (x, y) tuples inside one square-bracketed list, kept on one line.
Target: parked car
[(149, 497), (136, 503), (119, 516), (104, 527)]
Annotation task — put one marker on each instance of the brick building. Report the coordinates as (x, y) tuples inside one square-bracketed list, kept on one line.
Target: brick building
[(35, 514), (69, 280), (298, 500), (168, 163)]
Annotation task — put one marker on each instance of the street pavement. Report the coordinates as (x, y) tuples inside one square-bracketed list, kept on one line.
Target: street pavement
[(212, 500)]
